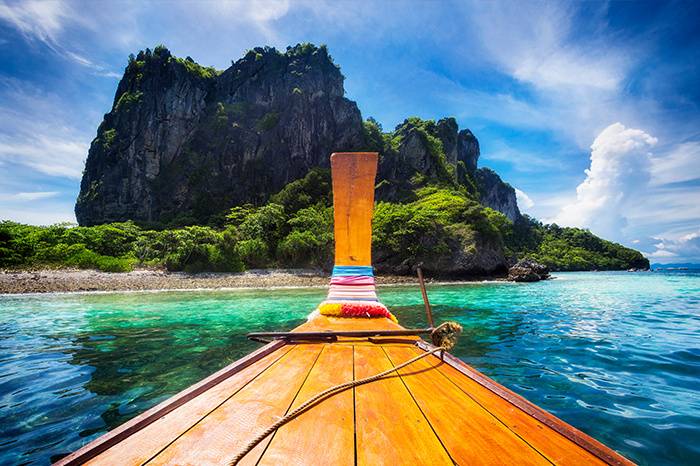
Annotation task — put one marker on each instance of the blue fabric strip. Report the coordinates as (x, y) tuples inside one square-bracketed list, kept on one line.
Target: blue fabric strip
[(352, 271)]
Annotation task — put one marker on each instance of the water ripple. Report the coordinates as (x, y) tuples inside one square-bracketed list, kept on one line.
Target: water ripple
[(615, 354)]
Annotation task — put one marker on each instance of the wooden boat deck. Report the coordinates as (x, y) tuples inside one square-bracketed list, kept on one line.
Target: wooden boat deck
[(432, 412)]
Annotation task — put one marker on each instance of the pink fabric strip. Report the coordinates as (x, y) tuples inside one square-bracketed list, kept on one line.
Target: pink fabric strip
[(353, 287), (352, 295), (352, 280)]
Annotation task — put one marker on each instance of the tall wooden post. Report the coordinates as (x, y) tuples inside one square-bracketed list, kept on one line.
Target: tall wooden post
[(353, 204), (352, 292)]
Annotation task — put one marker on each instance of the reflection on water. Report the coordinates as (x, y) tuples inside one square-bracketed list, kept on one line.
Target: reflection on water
[(615, 354)]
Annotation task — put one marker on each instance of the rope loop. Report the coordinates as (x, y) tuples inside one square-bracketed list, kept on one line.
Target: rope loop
[(445, 335)]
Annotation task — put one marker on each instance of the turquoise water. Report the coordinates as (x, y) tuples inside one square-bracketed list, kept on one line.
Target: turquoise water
[(615, 354)]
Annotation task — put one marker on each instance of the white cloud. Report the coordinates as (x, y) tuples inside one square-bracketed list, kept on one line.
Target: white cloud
[(37, 133), (49, 155), (618, 170), (36, 19), (35, 206), (28, 196), (524, 201), (46, 21), (629, 194), (39, 214), (681, 164), (523, 160), (542, 50), (686, 246)]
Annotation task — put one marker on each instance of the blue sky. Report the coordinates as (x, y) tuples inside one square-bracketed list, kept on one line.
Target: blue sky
[(591, 110)]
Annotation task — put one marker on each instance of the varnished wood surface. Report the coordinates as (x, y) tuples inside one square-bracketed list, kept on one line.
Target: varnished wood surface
[(427, 413), (292, 444), (353, 203)]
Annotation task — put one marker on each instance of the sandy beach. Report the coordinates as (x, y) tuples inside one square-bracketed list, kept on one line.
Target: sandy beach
[(68, 280)]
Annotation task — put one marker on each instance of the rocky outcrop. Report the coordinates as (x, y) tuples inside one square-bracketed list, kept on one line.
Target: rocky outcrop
[(527, 270), (183, 140), (423, 151), (183, 143), (460, 146), (496, 194), (468, 254)]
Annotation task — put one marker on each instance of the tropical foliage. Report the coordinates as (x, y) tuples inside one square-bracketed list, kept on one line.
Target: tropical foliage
[(295, 229)]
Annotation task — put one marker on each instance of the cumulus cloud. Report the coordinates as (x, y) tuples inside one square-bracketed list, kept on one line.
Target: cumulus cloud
[(524, 201), (618, 171), (686, 246)]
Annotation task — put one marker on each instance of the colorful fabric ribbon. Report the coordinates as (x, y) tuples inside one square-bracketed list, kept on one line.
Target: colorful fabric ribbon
[(353, 294)]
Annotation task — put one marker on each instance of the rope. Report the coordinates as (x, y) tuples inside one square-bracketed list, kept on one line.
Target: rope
[(445, 333)]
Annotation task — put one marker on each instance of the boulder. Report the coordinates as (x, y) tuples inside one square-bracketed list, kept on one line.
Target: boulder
[(527, 270)]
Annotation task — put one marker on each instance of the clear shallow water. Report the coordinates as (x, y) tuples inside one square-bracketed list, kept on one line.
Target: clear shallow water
[(615, 354)]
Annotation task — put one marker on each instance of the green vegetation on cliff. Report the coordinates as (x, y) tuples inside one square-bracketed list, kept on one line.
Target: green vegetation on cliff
[(219, 171), (295, 229), (570, 249)]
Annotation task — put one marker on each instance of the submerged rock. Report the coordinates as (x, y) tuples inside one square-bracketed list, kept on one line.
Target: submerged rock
[(527, 270)]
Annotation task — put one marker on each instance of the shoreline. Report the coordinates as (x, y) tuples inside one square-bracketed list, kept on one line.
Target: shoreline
[(42, 281)]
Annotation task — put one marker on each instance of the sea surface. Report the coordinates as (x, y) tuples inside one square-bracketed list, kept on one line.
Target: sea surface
[(615, 354)]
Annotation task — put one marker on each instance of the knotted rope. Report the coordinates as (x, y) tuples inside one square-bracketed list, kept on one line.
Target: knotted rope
[(444, 337)]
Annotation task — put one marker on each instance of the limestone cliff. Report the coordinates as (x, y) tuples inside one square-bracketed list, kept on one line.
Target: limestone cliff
[(495, 193), (186, 141), (183, 142)]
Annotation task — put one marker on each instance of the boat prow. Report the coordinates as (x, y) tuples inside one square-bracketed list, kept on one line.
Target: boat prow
[(437, 410)]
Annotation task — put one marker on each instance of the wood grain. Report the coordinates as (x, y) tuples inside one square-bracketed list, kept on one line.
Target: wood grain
[(469, 432), (220, 435), (320, 323), (136, 424), (136, 449), (559, 441), (353, 203), (390, 428), (324, 435)]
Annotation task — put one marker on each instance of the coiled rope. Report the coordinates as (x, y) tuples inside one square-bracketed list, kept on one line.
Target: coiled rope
[(444, 337)]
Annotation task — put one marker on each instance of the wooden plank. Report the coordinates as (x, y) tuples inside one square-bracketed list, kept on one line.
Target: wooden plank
[(325, 433), (389, 426), (153, 438), (530, 421), (131, 427), (353, 176), (223, 433), (470, 433)]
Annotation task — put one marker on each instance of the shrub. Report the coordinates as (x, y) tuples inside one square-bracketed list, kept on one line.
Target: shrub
[(195, 69), (253, 252), (302, 248), (267, 223), (314, 188), (108, 138), (127, 99), (310, 242)]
